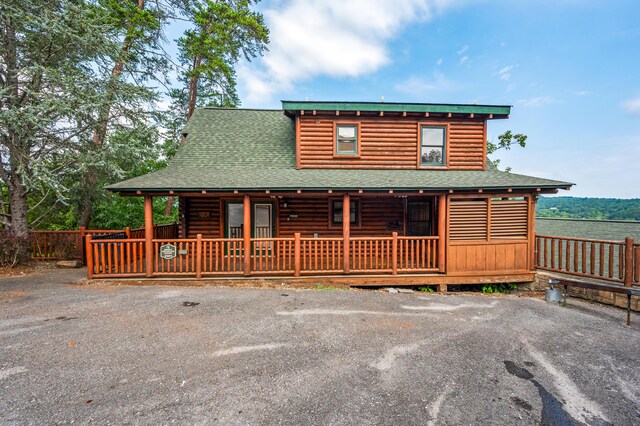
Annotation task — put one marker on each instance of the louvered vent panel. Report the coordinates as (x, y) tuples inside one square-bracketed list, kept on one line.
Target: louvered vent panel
[(468, 220), (508, 219)]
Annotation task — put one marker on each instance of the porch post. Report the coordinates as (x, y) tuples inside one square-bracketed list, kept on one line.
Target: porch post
[(442, 223), (532, 233), (346, 231), (628, 262), (148, 235), (246, 233), (88, 255)]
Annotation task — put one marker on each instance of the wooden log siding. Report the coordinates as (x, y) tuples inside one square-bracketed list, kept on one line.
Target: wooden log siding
[(304, 215), (313, 216), (201, 216), (389, 143)]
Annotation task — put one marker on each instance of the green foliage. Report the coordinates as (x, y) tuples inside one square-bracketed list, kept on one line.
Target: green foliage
[(426, 289), (589, 208), (78, 92), (224, 31), (505, 142), (499, 288)]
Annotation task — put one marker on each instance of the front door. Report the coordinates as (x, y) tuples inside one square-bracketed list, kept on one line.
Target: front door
[(262, 225), (419, 218), (262, 219)]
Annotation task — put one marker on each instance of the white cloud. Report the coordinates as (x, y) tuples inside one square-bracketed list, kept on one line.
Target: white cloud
[(439, 61), (582, 93), (464, 60), (463, 49), (505, 72), (632, 106), (419, 86), (537, 101), (335, 38)]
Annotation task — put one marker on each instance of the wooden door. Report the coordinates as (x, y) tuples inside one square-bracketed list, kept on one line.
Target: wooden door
[(419, 223)]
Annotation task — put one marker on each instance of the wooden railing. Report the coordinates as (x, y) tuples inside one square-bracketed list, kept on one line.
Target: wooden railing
[(267, 256), (321, 255), (69, 244), (616, 261), (116, 258), (273, 255), (370, 254), (222, 256), (418, 254), (55, 245)]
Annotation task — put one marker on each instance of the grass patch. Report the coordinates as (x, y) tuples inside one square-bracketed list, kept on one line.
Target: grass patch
[(321, 286)]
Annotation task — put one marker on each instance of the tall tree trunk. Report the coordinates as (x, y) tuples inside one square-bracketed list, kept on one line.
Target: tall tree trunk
[(191, 107), (18, 203), (19, 223), (100, 132), (193, 87)]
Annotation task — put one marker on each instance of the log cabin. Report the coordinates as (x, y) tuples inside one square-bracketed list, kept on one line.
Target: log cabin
[(370, 193)]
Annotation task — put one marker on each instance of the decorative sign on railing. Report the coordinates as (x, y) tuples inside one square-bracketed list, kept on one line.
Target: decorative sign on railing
[(168, 251)]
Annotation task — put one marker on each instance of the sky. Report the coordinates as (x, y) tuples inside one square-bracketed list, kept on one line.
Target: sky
[(569, 68)]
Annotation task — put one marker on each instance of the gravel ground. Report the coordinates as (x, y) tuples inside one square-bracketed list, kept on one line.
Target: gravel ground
[(105, 354)]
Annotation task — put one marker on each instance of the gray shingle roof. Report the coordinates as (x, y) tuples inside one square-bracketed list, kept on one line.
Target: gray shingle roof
[(245, 149)]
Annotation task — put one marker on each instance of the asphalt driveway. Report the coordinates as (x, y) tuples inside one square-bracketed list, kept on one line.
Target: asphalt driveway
[(105, 354)]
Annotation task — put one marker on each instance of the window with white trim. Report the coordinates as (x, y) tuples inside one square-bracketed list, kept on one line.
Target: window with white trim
[(433, 145)]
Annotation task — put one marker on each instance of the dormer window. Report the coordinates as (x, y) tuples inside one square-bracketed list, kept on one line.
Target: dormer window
[(347, 139), (433, 145)]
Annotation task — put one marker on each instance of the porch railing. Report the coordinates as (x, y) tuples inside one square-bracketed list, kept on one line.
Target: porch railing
[(295, 256), (616, 261), (69, 244)]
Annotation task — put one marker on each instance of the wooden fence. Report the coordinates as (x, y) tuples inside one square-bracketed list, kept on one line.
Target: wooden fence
[(198, 257), (69, 244), (616, 261)]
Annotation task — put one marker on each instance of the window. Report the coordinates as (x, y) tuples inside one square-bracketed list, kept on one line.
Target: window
[(336, 212), (347, 139), (432, 146)]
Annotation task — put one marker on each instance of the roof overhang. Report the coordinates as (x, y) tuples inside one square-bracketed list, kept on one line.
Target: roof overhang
[(293, 108)]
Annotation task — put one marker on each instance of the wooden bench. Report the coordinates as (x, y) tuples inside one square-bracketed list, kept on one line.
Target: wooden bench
[(629, 291)]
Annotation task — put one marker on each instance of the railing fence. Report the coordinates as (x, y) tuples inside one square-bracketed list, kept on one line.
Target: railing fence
[(69, 244), (261, 256), (616, 261)]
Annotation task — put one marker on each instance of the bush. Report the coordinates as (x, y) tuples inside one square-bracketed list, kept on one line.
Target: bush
[(13, 250)]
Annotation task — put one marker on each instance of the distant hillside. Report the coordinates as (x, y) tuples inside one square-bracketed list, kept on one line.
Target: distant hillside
[(589, 208), (587, 228)]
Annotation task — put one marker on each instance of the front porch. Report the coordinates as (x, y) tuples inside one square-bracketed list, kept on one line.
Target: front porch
[(408, 237), (208, 257), (258, 236)]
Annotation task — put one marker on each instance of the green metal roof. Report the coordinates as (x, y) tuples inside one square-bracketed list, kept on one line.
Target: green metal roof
[(248, 149), (395, 107)]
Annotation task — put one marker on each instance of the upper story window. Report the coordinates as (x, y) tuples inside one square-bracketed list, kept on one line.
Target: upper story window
[(433, 145), (346, 139)]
